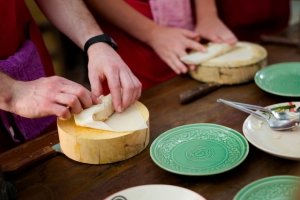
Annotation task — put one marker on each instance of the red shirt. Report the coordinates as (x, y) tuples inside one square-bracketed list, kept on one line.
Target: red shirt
[(250, 19), (16, 26), (247, 19)]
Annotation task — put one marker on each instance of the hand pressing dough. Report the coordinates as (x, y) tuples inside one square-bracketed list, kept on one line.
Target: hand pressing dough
[(238, 65), (212, 50)]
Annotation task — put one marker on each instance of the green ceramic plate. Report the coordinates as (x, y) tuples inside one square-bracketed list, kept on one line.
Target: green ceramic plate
[(199, 149), (281, 79), (271, 188)]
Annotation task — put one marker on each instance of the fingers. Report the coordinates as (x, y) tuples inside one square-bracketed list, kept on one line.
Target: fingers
[(173, 59), (224, 37), (192, 40), (70, 101), (216, 31), (95, 82), (125, 90), (190, 67), (190, 34), (61, 111), (115, 90), (105, 63), (131, 89), (77, 92), (71, 98), (228, 37), (194, 45), (216, 39)]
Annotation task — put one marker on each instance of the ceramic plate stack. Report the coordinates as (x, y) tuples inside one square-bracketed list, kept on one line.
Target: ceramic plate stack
[(199, 149)]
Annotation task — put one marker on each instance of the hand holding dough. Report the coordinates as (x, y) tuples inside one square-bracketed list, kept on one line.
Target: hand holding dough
[(99, 112), (103, 117)]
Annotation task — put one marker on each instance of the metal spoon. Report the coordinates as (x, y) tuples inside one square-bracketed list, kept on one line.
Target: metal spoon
[(282, 115), (274, 123)]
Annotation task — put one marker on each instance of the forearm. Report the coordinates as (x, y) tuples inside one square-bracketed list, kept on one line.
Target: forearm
[(125, 17), (205, 9), (72, 18), (6, 86)]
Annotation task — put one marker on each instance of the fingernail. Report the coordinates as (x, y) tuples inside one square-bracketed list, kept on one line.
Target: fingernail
[(62, 118), (119, 109)]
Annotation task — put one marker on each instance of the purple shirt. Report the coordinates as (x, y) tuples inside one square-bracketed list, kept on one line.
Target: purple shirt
[(24, 65)]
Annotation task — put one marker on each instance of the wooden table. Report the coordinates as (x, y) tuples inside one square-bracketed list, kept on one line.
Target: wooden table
[(61, 178)]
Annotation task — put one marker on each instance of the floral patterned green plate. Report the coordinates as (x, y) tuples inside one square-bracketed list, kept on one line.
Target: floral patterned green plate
[(271, 188), (281, 79), (199, 149)]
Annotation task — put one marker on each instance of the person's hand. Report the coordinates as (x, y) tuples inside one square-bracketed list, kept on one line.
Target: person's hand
[(106, 64), (214, 30), (49, 96), (172, 43)]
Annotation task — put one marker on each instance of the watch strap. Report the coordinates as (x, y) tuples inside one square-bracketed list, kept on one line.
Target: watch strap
[(100, 38)]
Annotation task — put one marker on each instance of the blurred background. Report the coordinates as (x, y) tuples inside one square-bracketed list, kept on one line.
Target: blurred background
[(68, 58), (295, 17)]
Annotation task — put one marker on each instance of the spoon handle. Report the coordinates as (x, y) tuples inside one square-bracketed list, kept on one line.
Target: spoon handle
[(241, 108)]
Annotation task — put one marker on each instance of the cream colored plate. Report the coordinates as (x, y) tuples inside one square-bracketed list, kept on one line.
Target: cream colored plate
[(155, 192), (283, 144)]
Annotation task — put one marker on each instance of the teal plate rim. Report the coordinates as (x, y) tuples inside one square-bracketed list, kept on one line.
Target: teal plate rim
[(263, 181), (232, 131), (270, 68)]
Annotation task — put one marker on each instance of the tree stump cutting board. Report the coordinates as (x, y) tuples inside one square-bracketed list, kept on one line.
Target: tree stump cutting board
[(95, 146), (236, 66)]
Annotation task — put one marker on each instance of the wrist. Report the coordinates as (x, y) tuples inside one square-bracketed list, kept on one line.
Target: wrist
[(103, 38), (206, 19), (6, 90), (97, 49), (147, 30), (152, 35)]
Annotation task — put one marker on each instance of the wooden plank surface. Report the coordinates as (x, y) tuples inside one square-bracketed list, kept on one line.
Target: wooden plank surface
[(61, 178)]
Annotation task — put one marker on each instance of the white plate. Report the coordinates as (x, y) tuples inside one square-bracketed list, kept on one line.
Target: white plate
[(283, 144), (155, 192)]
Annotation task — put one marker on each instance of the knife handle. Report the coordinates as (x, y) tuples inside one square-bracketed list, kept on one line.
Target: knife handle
[(25, 160), (194, 94)]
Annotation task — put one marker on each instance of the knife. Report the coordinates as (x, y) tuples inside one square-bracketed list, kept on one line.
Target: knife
[(195, 93), (26, 155), (26, 160)]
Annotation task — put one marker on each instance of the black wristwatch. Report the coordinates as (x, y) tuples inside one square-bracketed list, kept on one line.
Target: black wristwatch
[(100, 38)]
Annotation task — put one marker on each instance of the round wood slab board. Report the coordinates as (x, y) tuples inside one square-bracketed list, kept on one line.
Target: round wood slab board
[(234, 67), (94, 146)]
